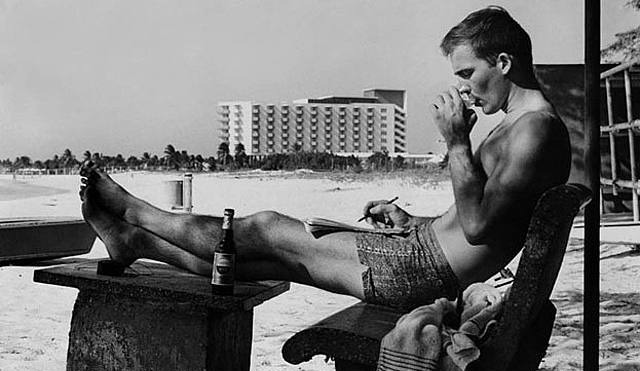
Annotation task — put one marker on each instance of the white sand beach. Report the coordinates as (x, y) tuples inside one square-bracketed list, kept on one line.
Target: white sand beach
[(34, 318)]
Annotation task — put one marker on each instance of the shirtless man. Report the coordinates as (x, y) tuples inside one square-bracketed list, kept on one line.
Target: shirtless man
[(495, 191)]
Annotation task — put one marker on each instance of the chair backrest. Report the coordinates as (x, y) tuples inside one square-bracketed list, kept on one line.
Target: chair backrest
[(542, 255)]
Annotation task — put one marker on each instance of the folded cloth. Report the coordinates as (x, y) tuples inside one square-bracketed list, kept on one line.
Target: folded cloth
[(482, 304), (420, 341)]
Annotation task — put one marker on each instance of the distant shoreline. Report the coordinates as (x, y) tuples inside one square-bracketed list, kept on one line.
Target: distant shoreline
[(20, 188), (16, 189)]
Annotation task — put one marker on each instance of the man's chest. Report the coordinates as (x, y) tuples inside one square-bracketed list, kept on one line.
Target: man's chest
[(492, 151)]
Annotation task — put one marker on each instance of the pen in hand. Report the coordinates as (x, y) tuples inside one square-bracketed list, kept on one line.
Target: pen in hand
[(388, 202)]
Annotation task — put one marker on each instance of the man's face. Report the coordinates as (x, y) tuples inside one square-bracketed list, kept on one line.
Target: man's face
[(485, 83)]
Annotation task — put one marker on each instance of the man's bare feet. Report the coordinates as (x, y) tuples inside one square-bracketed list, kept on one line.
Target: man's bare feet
[(118, 236), (109, 195)]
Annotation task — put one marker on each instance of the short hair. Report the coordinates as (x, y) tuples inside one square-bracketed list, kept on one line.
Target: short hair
[(489, 32)]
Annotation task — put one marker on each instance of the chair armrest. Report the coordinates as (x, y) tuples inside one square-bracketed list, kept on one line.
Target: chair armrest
[(353, 334)]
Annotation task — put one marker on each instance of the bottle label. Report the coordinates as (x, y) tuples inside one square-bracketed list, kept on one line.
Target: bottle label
[(226, 223), (223, 269)]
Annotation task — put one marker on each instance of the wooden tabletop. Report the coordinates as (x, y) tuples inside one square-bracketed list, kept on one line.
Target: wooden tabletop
[(160, 282)]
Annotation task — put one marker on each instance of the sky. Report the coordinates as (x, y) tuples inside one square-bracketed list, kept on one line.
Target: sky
[(131, 76)]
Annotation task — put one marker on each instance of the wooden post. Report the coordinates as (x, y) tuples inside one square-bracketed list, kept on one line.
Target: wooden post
[(612, 141), (592, 171), (187, 193), (632, 150)]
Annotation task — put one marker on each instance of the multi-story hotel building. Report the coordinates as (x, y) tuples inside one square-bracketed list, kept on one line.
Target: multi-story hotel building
[(352, 125)]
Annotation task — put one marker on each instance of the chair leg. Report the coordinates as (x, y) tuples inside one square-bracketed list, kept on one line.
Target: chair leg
[(533, 345)]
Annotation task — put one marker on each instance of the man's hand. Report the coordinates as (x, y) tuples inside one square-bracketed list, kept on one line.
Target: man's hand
[(381, 214), (453, 119)]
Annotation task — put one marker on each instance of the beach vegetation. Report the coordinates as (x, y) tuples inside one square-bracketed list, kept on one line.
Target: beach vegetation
[(174, 159), (626, 46)]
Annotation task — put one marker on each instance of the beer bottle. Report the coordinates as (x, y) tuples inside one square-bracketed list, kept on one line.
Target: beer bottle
[(224, 258)]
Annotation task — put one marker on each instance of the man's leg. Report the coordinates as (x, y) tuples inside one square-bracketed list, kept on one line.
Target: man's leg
[(270, 245)]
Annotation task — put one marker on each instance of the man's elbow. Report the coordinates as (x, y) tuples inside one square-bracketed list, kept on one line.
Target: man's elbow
[(476, 234)]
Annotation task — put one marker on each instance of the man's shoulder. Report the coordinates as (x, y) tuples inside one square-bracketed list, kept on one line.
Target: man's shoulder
[(538, 127)]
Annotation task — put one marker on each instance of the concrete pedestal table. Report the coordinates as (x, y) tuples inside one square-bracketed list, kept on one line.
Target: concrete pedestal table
[(157, 317)]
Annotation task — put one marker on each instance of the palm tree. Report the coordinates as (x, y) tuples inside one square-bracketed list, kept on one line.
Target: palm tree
[(223, 152), (171, 156), (240, 155), (146, 158), (133, 162), (68, 159)]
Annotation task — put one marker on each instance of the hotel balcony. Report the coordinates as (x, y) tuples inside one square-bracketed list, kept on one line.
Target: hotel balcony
[(299, 109), (256, 118), (285, 127), (285, 135), (313, 120), (299, 127), (356, 121), (314, 128), (299, 135), (270, 127), (269, 135), (327, 120), (255, 134), (299, 120), (270, 119), (342, 121)]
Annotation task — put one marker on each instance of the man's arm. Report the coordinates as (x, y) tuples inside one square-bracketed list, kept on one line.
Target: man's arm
[(522, 171), (502, 197)]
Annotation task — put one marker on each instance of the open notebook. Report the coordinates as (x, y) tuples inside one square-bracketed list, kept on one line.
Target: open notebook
[(318, 227)]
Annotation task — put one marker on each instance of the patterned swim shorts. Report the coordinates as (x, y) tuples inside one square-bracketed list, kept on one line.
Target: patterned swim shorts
[(405, 272)]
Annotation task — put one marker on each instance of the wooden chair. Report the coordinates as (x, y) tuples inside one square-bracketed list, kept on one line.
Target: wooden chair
[(352, 336)]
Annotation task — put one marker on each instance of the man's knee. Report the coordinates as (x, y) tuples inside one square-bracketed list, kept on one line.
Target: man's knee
[(266, 224)]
